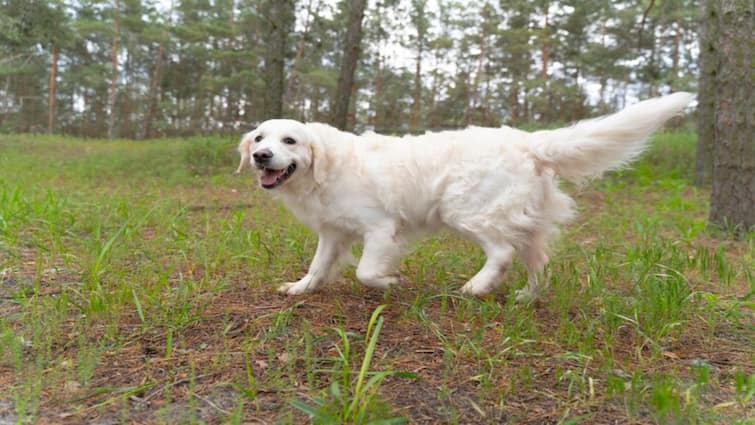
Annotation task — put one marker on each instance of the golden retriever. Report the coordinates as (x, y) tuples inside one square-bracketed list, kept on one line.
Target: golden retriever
[(497, 187)]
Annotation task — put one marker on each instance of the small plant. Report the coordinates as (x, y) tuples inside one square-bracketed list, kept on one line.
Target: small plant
[(350, 398), (664, 400), (744, 386)]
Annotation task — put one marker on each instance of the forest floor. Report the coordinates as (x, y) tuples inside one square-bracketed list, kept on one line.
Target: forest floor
[(138, 285)]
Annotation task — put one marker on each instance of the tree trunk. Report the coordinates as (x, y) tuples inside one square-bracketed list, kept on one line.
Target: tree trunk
[(433, 114), (514, 103), (706, 93), (351, 48), (294, 85), (467, 98), (544, 47), (279, 18), (51, 91), (732, 200), (417, 92), (351, 116), (377, 117), (113, 72), (126, 107), (153, 87), (419, 20), (545, 53)]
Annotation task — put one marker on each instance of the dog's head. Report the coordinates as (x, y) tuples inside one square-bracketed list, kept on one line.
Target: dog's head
[(282, 151)]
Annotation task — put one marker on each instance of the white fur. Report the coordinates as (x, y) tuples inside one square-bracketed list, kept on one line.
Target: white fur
[(495, 186)]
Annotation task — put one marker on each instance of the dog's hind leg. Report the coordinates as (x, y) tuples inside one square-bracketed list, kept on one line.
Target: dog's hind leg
[(331, 249), (380, 259), (499, 256), (345, 258), (535, 257)]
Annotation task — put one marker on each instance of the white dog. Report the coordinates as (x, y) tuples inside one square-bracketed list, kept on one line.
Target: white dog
[(495, 186)]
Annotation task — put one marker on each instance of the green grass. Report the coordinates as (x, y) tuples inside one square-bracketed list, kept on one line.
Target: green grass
[(137, 284)]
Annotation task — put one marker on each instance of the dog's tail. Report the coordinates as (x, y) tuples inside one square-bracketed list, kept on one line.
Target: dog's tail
[(591, 147)]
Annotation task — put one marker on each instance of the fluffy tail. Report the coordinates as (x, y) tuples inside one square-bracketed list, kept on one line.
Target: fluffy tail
[(591, 147)]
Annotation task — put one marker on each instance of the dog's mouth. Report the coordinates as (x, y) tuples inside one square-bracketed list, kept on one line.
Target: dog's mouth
[(273, 178)]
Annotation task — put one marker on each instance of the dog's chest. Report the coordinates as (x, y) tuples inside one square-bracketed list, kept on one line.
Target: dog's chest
[(317, 214)]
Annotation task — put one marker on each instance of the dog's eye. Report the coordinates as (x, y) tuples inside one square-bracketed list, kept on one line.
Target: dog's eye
[(289, 141), (258, 139)]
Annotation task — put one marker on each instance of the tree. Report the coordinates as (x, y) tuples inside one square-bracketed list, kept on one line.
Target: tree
[(351, 48), (514, 43), (153, 88), (420, 22), (113, 93), (706, 95), (732, 200), (55, 36), (279, 22)]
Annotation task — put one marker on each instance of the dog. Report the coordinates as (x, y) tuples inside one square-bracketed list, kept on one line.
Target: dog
[(498, 187)]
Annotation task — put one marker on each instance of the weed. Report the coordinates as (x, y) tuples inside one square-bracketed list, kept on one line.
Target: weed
[(352, 398)]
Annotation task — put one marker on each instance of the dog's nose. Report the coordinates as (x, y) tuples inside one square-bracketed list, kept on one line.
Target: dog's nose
[(262, 155)]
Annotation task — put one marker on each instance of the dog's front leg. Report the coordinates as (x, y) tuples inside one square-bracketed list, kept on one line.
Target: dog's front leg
[(330, 248)]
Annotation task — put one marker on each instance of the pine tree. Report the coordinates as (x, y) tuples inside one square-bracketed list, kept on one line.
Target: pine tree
[(732, 200), (279, 21), (351, 50)]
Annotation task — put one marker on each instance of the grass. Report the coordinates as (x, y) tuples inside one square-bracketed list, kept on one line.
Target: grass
[(137, 284)]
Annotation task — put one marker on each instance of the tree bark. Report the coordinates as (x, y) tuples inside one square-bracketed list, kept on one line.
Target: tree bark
[(377, 105), (153, 87), (431, 107), (706, 93), (514, 103), (417, 92), (51, 91), (544, 46), (279, 19), (351, 48), (113, 72), (419, 21), (733, 190), (294, 83)]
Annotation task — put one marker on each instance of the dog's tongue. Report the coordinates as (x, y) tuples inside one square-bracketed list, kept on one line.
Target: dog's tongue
[(270, 176)]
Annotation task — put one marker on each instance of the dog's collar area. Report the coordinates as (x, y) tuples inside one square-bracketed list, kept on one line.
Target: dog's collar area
[(273, 178)]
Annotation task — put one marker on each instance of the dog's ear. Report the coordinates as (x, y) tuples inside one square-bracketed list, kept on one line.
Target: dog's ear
[(246, 140), (320, 157)]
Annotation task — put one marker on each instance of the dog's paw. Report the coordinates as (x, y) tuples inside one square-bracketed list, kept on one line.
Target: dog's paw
[(380, 282), (525, 296), (473, 290), (301, 286)]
